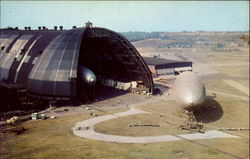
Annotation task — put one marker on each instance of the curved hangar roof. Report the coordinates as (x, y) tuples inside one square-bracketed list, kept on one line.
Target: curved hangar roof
[(45, 62)]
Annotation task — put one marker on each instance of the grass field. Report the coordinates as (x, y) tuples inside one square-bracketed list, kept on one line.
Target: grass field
[(53, 138)]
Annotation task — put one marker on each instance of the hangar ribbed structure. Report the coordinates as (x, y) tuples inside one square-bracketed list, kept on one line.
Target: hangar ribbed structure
[(45, 62)]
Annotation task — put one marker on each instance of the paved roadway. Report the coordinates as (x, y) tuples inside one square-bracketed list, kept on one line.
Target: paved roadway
[(85, 129)]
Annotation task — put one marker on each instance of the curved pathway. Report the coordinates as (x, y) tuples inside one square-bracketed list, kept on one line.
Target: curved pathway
[(85, 129)]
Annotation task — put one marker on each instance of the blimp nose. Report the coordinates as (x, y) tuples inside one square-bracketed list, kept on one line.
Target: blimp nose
[(88, 77), (189, 90), (92, 80), (193, 99)]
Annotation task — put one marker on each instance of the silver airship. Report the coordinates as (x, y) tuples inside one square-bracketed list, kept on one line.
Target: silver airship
[(88, 77), (189, 90)]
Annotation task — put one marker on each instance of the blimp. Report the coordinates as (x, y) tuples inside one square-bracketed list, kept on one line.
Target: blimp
[(189, 91), (55, 64)]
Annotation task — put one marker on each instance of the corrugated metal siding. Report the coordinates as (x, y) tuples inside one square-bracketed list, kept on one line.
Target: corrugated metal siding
[(13, 55), (18, 50), (57, 66), (6, 40), (41, 41), (15, 43), (21, 48), (25, 58)]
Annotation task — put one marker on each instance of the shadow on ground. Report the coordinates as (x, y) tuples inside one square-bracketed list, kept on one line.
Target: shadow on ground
[(105, 93), (11, 106), (210, 111), (160, 88)]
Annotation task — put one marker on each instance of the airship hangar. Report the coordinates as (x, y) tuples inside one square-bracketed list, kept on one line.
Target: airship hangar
[(45, 63), (71, 65)]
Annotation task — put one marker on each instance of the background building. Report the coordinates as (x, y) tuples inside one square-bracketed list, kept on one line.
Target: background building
[(163, 67)]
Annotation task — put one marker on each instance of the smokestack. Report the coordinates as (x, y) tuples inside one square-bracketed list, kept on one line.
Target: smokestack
[(61, 27), (29, 28), (44, 27)]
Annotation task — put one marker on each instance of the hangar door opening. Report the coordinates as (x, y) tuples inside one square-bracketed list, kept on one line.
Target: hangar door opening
[(114, 61)]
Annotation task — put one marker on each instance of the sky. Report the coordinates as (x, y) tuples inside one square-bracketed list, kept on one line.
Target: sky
[(121, 16)]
